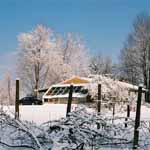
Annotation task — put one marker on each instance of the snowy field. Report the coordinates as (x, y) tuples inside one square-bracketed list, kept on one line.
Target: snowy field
[(47, 112), (40, 113), (145, 113)]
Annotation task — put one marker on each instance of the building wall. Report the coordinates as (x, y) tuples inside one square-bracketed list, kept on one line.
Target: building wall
[(65, 100)]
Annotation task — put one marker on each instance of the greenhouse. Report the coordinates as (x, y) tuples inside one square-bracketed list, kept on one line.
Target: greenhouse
[(59, 92)]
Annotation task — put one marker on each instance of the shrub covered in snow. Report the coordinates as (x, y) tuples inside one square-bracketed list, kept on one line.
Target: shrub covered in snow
[(112, 89)]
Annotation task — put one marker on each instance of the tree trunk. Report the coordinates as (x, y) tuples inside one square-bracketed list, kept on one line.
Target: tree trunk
[(9, 91), (37, 73)]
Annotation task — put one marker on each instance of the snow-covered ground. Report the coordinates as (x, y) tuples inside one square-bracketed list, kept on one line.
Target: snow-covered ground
[(145, 114), (40, 113), (43, 113), (78, 128)]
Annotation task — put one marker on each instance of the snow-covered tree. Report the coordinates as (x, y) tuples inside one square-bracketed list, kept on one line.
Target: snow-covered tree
[(46, 58), (7, 90), (33, 56), (130, 64), (76, 55), (136, 52), (71, 59)]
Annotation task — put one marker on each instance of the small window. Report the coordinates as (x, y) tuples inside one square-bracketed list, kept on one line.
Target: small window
[(56, 91), (66, 90), (77, 89), (61, 91)]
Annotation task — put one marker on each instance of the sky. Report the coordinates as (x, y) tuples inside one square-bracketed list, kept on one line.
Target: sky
[(103, 24)]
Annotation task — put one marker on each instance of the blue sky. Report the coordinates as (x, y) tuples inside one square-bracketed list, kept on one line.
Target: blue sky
[(103, 24)]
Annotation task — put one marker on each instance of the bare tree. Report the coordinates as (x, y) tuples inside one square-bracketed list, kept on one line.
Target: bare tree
[(107, 65), (9, 89), (96, 64), (135, 56), (101, 65)]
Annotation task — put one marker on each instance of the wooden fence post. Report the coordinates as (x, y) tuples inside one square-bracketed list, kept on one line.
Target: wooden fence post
[(99, 103), (17, 100), (113, 109), (128, 115), (99, 99), (137, 119), (69, 100), (113, 104)]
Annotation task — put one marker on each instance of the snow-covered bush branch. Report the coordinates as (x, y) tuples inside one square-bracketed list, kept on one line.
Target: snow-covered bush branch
[(80, 130)]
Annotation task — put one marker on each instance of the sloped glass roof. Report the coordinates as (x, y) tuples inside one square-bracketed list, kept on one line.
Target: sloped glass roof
[(64, 90)]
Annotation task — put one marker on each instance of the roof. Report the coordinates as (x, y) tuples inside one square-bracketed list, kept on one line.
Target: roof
[(76, 80)]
